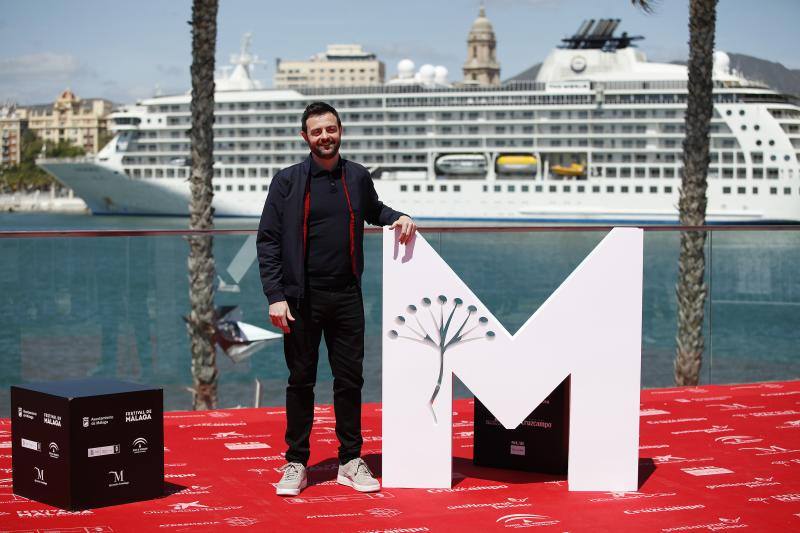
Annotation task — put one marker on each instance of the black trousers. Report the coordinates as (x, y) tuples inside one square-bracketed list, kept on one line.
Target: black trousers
[(338, 314)]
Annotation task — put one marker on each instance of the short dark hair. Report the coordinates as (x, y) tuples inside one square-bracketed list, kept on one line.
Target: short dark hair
[(319, 108)]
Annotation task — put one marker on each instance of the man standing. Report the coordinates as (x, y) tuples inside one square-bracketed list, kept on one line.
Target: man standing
[(310, 253)]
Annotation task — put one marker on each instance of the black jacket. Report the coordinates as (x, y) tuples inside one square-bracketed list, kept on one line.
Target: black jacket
[(282, 232)]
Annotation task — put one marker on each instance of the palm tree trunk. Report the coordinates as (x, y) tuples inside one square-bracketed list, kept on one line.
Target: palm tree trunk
[(200, 322), (691, 288)]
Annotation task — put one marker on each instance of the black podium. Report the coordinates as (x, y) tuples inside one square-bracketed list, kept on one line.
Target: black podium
[(539, 444), (87, 443)]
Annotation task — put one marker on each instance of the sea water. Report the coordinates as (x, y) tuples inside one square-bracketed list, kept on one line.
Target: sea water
[(113, 306)]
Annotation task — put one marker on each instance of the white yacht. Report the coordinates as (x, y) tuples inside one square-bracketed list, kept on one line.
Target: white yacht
[(596, 137)]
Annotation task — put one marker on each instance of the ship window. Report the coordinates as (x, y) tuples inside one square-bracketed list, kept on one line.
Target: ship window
[(581, 188), (728, 112), (624, 188), (609, 188), (265, 187), (758, 173), (525, 188), (264, 172), (216, 187), (741, 190), (639, 172), (229, 187), (625, 172), (653, 189), (611, 172), (497, 188), (241, 187), (726, 190), (403, 188), (772, 173), (456, 188), (773, 190), (416, 188), (755, 190), (727, 173), (668, 189), (655, 172), (552, 188), (787, 190), (638, 189), (511, 188), (741, 112), (252, 187), (429, 188), (595, 188), (443, 188), (485, 188), (567, 188)]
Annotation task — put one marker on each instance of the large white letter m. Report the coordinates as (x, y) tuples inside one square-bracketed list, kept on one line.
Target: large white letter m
[(589, 329)]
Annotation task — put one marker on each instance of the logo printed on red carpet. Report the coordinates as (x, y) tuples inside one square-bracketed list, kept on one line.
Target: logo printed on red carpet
[(253, 445), (707, 471), (617, 496), (339, 498), (50, 513), (724, 523), (193, 507), (510, 502), (469, 489), (665, 509), (712, 429), (757, 482), (772, 450), (518, 521), (737, 439), (664, 459)]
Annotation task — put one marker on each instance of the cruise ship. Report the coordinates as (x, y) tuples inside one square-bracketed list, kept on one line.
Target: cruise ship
[(596, 137)]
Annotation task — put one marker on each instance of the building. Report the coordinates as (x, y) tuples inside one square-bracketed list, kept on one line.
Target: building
[(81, 122), (481, 67), (13, 123), (341, 65)]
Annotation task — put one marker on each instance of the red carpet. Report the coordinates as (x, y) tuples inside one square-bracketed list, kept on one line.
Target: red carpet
[(712, 458)]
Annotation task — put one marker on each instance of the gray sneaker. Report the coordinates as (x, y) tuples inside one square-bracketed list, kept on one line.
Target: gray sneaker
[(356, 474), (293, 481)]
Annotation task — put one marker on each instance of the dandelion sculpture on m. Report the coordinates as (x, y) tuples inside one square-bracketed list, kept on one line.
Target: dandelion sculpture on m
[(442, 339)]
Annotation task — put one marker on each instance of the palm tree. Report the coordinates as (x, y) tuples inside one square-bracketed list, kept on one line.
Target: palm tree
[(691, 289), (200, 321)]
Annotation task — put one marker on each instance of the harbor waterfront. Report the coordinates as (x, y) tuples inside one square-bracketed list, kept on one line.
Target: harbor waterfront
[(112, 306)]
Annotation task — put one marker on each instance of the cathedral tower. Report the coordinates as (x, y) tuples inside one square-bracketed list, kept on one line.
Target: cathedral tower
[(481, 66)]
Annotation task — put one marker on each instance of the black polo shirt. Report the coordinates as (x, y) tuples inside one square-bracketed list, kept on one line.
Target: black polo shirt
[(328, 262)]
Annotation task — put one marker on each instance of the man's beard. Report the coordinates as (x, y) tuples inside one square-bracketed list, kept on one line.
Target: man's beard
[(331, 151)]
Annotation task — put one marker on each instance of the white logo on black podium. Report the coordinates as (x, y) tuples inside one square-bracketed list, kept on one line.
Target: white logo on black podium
[(54, 450), (140, 445), (30, 444), (19, 412), (51, 420), (139, 415), (39, 475), (117, 478), (86, 421)]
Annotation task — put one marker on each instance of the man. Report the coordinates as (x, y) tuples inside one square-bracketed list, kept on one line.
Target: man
[(310, 252)]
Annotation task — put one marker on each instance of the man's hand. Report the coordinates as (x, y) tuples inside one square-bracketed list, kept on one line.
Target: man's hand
[(279, 314), (407, 228)]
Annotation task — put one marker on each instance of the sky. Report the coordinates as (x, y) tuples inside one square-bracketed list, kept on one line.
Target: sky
[(124, 51)]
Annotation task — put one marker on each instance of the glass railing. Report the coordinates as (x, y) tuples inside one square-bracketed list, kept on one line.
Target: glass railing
[(110, 303)]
